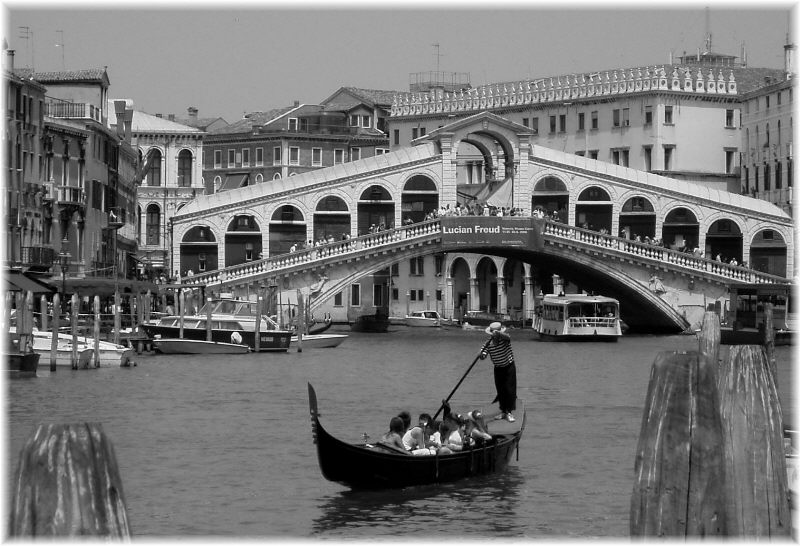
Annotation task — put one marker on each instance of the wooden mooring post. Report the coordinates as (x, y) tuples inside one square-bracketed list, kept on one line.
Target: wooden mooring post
[(710, 459), (67, 484)]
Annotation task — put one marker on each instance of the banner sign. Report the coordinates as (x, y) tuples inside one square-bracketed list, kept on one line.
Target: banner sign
[(491, 231)]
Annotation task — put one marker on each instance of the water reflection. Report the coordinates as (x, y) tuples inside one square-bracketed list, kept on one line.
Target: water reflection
[(486, 506)]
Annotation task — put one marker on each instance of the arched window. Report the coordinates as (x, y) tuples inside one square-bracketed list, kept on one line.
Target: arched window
[(153, 225), (184, 169), (154, 171), (277, 176), (217, 183), (259, 178)]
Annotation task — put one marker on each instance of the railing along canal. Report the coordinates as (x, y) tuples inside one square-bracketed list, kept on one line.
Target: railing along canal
[(552, 229)]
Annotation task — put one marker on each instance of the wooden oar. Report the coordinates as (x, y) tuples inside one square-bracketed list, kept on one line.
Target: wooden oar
[(463, 377)]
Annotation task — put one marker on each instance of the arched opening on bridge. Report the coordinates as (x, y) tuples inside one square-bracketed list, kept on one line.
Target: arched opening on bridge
[(768, 253), (724, 239), (681, 229), (486, 273), (331, 218), (286, 228), (484, 160), (459, 272), (419, 197), (637, 217), (198, 250), (514, 277), (593, 209), (550, 194), (242, 240), (375, 208)]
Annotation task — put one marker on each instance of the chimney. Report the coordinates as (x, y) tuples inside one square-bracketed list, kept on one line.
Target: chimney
[(171, 117), (119, 112), (11, 54), (296, 103), (788, 59), (159, 116), (128, 119), (192, 113)]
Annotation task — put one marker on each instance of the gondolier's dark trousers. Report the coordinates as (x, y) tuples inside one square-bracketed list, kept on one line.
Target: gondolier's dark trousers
[(505, 381)]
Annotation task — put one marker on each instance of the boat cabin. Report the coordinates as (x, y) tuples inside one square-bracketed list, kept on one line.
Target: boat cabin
[(748, 305)]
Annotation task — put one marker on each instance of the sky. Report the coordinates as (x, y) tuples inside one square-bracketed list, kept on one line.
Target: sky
[(227, 59)]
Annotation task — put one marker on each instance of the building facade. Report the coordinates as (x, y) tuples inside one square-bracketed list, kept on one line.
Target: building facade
[(75, 209), (767, 139), (170, 176)]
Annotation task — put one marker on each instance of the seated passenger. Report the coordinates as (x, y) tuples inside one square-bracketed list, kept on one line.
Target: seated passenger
[(394, 437), (406, 417), (416, 438), (476, 430)]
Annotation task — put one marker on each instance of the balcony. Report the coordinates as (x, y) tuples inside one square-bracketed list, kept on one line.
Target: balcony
[(38, 256), (73, 110), (71, 195)]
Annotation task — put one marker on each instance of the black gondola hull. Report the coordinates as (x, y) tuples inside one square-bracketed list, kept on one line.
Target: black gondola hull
[(365, 467)]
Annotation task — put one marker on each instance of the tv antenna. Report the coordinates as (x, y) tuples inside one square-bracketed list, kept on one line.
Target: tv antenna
[(438, 55), (61, 45), (27, 34)]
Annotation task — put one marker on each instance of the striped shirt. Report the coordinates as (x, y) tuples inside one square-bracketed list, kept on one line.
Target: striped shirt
[(500, 351)]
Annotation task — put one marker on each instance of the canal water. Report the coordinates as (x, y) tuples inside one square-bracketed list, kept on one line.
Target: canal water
[(220, 446)]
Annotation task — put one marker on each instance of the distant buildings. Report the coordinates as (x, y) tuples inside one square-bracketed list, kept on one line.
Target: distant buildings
[(71, 193)]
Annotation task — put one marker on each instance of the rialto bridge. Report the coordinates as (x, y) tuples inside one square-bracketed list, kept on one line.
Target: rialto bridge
[(248, 238)]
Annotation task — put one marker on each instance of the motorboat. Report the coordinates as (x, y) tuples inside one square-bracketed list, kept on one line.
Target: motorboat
[(232, 321), (111, 354), (479, 320), (320, 341), (20, 361), (375, 323), (42, 344), (577, 317), (184, 346), (424, 319)]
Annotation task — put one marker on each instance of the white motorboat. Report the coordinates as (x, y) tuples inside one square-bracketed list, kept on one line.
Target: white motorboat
[(578, 317), (320, 341), (42, 345), (425, 319), (173, 346), (111, 354)]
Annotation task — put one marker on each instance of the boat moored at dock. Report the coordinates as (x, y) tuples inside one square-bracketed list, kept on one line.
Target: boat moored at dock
[(578, 317), (232, 321)]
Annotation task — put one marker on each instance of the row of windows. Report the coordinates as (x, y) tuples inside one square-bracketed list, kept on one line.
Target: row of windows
[(756, 102), (765, 175), (621, 156), (378, 296), (241, 158)]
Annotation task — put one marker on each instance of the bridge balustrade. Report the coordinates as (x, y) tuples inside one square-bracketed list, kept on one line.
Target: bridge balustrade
[(552, 229), (308, 255), (654, 252)]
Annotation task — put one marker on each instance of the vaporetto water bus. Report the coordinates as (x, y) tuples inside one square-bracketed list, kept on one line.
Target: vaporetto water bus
[(577, 317)]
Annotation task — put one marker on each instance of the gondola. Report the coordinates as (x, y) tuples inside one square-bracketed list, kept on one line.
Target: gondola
[(374, 466)]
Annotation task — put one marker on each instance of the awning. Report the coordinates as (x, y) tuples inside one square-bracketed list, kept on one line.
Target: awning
[(234, 181), (16, 281), (501, 197)]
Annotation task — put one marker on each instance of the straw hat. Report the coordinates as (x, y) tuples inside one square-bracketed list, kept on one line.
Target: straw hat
[(495, 327)]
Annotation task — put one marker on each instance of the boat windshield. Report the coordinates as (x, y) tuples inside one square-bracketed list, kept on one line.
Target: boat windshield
[(229, 307)]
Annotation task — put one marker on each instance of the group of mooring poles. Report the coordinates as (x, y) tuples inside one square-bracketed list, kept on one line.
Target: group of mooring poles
[(711, 459)]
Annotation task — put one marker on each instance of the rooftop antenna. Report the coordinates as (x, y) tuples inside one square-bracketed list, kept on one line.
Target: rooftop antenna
[(61, 45), (708, 32), (27, 34), (438, 55)]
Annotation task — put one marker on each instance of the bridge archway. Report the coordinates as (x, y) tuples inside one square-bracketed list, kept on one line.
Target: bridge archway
[(460, 275), (486, 280), (375, 208), (331, 218), (420, 196), (199, 250), (768, 252), (724, 239), (681, 229), (286, 228), (594, 210), (637, 217), (551, 195), (242, 240)]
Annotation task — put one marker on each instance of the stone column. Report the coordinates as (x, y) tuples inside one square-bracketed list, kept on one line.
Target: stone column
[(474, 302), (502, 298), (448, 299)]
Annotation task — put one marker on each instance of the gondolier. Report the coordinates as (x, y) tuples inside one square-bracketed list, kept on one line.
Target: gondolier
[(505, 371)]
